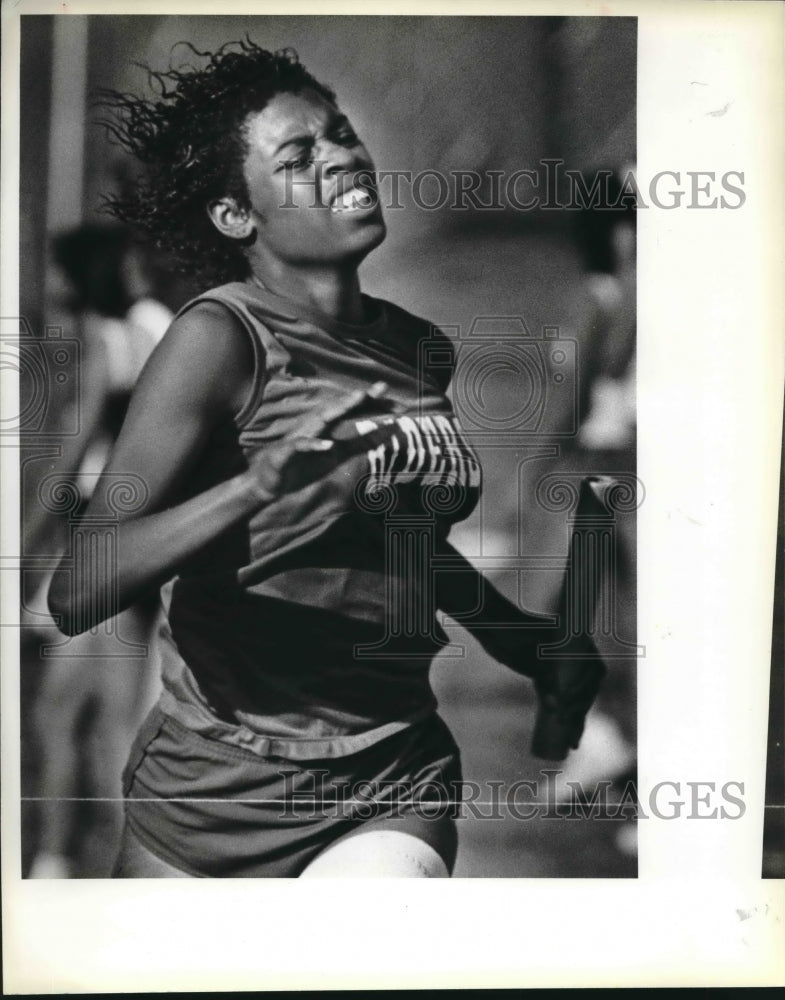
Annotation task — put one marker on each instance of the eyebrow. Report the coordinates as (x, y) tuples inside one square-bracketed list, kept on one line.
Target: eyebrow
[(337, 121)]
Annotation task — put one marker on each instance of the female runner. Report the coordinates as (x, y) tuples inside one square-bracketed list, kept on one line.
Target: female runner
[(286, 432)]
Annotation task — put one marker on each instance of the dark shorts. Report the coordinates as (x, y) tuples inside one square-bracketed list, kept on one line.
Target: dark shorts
[(215, 811)]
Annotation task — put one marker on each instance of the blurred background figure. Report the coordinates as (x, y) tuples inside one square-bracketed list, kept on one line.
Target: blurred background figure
[(605, 235), (606, 238), (90, 700)]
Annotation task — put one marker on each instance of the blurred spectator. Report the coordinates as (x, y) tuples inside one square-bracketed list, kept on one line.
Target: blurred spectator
[(90, 701), (607, 239)]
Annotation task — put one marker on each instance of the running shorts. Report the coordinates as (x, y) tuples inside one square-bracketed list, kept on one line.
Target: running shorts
[(216, 811)]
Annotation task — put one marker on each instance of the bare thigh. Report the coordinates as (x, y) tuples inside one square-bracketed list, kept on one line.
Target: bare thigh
[(134, 860), (378, 854)]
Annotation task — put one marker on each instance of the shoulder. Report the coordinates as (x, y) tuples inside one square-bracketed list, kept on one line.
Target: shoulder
[(230, 310), (205, 353), (204, 330)]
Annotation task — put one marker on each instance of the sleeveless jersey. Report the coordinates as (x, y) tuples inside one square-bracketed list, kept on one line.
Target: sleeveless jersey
[(308, 631)]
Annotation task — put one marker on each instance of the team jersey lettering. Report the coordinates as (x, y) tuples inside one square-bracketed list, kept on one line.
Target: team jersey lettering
[(430, 449)]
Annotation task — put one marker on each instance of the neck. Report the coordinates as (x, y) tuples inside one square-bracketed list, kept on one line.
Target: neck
[(334, 292)]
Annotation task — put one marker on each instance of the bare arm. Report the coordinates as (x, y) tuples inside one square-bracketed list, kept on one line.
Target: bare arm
[(197, 375), (508, 634), (200, 373), (566, 685)]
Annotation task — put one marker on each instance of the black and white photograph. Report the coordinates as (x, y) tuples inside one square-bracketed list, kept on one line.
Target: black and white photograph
[(448, 303), (382, 486)]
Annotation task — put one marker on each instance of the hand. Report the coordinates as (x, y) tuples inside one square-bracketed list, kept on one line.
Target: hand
[(566, 689), (308, 453)]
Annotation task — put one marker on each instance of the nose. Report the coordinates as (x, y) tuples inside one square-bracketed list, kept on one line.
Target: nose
[(338, 158)]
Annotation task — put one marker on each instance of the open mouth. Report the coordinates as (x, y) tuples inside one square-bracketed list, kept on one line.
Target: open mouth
[(354, 199)]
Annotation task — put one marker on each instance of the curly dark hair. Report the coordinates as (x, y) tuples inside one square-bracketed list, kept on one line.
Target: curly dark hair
[(191, 141)]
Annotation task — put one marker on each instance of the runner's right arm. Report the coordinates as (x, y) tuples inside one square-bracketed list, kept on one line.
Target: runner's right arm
[(201, 373)]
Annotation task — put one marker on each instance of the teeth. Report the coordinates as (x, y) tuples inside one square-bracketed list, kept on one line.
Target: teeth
[(351, 201)]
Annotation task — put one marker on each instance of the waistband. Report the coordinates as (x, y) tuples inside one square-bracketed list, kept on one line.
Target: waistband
[(199, 721)]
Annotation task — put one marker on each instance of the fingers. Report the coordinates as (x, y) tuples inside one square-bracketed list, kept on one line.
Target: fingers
[(312, 458), (570, 691), (566, 692), (334, 453), (313, 444), (317, 425), (576, 740), (297, 461)]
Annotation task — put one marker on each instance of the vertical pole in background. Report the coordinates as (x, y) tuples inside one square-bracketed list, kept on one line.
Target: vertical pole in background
[(35, 94), (52, 143), (65, 179)]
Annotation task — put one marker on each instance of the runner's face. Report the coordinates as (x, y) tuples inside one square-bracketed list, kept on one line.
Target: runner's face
[(311, 183)]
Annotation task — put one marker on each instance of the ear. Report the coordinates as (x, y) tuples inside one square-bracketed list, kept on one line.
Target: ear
[(231, 220)]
